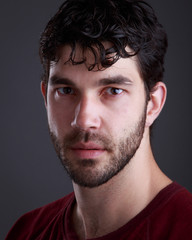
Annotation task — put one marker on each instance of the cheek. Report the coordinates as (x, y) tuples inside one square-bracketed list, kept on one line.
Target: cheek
[(118, 119), (122, 111), (123, 118), (58, 118)]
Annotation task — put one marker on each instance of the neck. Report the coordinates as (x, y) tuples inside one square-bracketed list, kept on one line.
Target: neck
[(106, 208)]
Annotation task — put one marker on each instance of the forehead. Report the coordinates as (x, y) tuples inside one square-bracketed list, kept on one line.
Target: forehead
[(79, 53), (126, 67)]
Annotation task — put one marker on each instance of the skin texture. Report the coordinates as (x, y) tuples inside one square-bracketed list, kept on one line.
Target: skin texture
[(99, 123)]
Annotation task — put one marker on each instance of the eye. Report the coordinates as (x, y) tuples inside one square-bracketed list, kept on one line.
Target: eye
[(65, 91), (114, 91)]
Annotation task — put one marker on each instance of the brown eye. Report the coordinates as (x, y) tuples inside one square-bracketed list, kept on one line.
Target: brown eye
[(65, 90), (114, 91)]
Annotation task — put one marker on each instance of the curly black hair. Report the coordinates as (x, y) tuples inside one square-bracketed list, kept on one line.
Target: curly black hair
[(90, 23)]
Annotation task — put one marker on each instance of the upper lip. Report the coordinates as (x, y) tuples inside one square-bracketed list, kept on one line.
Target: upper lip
[(87, 146)]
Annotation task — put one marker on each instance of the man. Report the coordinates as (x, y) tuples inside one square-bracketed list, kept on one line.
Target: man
[(102, 87)]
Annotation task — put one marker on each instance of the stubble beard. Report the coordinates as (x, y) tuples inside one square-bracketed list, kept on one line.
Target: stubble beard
[(88, 172)]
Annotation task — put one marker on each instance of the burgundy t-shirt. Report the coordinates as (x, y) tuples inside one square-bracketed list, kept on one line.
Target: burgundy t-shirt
[(167, 217)]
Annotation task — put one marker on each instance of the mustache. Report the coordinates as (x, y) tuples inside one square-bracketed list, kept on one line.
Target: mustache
[(87, 136)]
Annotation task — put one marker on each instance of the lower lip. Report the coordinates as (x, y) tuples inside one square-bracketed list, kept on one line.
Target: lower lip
[(88, 153)]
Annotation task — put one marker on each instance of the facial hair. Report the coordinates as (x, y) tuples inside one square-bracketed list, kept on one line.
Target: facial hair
[(89, 172)]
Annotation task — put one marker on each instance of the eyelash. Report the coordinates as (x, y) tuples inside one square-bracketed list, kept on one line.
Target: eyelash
[(65, 88), (69, 91), (114, 89)]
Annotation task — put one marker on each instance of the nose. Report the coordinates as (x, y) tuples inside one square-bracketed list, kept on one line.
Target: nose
[(86, 115)]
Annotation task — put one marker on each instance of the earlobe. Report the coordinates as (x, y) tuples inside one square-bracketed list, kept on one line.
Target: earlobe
[(156, 102), (44, 92)]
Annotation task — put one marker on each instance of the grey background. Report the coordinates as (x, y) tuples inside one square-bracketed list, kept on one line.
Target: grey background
[(30, 173)]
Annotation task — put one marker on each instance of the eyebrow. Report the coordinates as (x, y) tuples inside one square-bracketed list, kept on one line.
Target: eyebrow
[(56, 80), (119, 80)]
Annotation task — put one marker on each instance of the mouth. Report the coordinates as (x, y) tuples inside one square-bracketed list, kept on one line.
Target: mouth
[(88, 150)]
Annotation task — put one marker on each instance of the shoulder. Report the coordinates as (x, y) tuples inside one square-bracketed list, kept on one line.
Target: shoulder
[(178, 200), (174, 198), (173, 214), (50, 209), (53, 207), (39, 218)]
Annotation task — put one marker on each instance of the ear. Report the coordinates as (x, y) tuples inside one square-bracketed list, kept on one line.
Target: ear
[(156, 102), (44, 92)]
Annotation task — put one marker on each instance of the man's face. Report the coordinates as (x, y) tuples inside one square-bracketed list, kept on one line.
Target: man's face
[(96, 118)]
